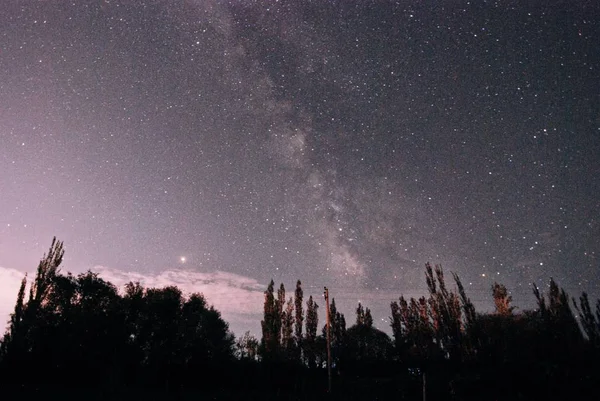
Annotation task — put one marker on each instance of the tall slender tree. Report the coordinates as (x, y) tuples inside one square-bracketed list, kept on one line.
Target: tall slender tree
[(558, 317), (360, 315), (299, 317), (15, 324), (28, 328), (271, 324), (312, 323), (287, 329), (368, 321), (589, 321), (502, 300), (247, 347), (363, 342)]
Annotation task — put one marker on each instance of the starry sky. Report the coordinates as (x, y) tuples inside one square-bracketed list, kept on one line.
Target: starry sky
[(218, 144)]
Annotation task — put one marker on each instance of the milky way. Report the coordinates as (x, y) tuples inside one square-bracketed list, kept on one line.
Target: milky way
[(343, 143)]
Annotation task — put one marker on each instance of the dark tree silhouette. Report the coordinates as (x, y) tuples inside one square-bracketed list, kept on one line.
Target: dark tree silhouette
[(502, 300), (364, 342), (71, 335), (310, 341), (337, 323), (12, 341), (287, 330), (80, 328), (271, 325), (246, 347), (299, 316), (589, 321)]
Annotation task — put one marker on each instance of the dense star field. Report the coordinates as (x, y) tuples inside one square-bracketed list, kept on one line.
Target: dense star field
[(216, 145)]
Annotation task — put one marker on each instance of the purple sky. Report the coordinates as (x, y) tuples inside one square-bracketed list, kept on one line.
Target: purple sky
[(343, 143)]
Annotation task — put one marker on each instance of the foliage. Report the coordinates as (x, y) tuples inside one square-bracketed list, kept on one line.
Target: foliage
[(299, 315), (271, 324), (79, 334), (310, 340), (80, 327), (589, 321), (246, 347), (502, 300)]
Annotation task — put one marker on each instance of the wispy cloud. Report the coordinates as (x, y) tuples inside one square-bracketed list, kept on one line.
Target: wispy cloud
[(238, 298), (230, 293)]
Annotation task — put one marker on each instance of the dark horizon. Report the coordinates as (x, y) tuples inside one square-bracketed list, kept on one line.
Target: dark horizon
[(162, 344)]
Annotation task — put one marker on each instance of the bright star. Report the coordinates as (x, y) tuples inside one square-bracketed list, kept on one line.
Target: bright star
[(182, 259)]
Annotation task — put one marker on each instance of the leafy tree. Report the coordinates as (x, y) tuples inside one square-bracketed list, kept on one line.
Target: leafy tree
[(80, 328), (299, 316), (158, 337), (28, 339), (45, 274), (443, 322), (445, 312), (365, 343), (287, 328), (469, 314), (412, 329), (360, 315), (204, 340), (271, 324), (247, 347), (310, 341), (502, 300), (589, 321), (12, 341), (281, 299), (558, 317), (337, 323), (368, 318)]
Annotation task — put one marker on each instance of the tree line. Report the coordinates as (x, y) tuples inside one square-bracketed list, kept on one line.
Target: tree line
[(71, 333)]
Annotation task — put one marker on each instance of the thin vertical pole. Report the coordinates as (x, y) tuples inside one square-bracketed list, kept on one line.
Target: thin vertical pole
[(328, 341), (424, 387)]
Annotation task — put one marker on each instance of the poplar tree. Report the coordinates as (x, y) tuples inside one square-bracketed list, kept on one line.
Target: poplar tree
[(299, 317), (271, 323), (312, 323), (287, 328), (502, 300)]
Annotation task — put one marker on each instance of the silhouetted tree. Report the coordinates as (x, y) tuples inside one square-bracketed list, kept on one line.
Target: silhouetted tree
[(80, 333), (365, 343), (558, 317), (589, 321), (337, 323), (299, 315), (360, 315), (271, 324), (247, 347), (502, 300), (12, 341), (368, 318), (204, 340), (310, 341), (28, 339), (287, 329), (445, 312), (444, 322), (413, 329)]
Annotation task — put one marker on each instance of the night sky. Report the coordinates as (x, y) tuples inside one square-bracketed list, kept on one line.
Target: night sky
[(216, 145)]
